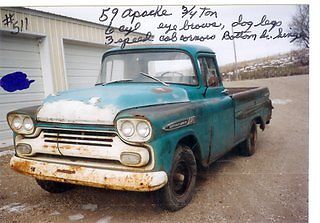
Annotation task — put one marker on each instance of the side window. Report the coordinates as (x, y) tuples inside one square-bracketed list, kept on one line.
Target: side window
[(203, 68), (209, 72), (211, 67)]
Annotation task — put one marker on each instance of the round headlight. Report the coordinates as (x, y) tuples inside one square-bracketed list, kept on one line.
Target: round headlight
[(17, 122), (127, 128), (28, 123), (143, 129)]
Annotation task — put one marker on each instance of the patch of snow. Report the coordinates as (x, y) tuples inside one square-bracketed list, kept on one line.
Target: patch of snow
[(54, 213), (76, 217), (105, 219), (281, 101), (94, 100), (91, 207), (14, 208), (6, 152)]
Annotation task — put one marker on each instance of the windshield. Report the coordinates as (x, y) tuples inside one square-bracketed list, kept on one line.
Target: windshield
[(165, 67)]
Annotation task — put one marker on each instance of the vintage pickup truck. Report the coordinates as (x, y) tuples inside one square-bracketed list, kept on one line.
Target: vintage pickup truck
[(157, 115)]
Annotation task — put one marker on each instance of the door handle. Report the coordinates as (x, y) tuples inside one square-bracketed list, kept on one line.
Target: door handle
[(225, 92)]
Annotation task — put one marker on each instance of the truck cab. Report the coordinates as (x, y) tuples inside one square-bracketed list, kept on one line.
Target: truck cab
[(156, 115)]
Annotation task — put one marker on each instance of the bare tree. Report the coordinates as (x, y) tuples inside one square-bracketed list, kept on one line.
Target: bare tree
[(300, 25)]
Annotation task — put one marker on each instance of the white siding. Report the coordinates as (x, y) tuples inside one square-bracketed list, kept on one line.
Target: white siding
[(82, 64), (58, 28), (19, 54), (54, 64)]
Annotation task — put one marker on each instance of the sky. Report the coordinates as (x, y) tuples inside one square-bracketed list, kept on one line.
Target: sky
[(226, 15)]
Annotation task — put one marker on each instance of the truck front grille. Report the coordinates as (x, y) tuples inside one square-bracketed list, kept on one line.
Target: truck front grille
[(78, 137)]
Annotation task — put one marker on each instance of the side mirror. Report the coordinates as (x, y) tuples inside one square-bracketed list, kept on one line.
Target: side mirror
[(213, 81)]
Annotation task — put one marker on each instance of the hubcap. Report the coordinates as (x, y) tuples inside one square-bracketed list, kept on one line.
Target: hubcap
[(181, 178)]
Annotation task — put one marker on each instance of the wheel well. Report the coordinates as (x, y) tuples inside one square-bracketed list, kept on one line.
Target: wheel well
[(260, 121), (192, 142)]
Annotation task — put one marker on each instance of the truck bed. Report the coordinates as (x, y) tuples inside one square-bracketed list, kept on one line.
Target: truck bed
[(248, 93), (250, 103)]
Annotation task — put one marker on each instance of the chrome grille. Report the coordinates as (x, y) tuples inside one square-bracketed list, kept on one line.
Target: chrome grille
[(78, 137)]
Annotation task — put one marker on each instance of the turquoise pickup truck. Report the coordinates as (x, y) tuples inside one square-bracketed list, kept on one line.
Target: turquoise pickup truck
[(157, 115)]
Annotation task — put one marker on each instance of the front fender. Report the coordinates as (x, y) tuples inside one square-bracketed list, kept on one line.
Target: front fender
[(165, 146), (164, 140)]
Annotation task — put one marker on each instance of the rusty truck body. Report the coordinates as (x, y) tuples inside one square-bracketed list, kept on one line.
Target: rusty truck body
[(156, 115)]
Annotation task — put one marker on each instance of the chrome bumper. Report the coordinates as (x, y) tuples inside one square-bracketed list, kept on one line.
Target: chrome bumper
[(89, 176)]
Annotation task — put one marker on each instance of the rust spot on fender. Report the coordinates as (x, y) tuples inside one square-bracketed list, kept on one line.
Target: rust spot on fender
[(139, 116), (160, 90)]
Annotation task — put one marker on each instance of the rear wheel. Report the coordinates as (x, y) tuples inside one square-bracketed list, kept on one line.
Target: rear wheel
[(248, 147), (181, 183), (54, 187)]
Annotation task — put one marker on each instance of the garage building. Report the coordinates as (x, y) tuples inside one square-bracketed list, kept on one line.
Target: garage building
[(58, 52)]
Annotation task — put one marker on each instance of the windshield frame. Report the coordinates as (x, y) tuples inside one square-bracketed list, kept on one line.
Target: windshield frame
[(163, 50)]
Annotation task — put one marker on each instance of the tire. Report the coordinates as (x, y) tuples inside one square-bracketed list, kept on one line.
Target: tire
[(248, 146), (54, 187), (179, 190)]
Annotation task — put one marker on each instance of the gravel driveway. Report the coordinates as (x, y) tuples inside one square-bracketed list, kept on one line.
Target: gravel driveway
[(271, 186)]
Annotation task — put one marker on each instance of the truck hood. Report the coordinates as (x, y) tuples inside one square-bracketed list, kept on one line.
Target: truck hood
[(101, 104)]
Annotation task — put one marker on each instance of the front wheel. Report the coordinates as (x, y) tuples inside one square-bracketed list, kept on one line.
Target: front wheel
[(181, 183), (248, 146), (54, 187)]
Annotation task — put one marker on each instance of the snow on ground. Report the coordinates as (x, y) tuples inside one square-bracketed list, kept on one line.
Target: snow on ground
[(6, 152), (281, 101)]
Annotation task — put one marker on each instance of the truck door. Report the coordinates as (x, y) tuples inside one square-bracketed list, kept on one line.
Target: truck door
[(220, 108)]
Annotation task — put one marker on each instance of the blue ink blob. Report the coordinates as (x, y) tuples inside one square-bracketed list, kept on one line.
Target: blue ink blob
[(15, 81)]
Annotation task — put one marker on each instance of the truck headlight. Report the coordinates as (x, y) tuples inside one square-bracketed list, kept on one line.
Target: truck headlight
[(17, 122), (134, 130), (28, 123), (127, 128), (21, 123), (143, 129)]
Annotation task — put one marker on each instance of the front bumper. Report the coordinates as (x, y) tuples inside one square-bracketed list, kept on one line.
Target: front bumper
[(89, 176)]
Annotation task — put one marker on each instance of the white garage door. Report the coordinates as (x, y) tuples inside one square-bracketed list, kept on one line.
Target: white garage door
[(19, 54), (82, 64)]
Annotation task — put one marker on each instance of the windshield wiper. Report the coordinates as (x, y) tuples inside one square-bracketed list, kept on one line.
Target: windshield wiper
[(116, 81), (153, 78)]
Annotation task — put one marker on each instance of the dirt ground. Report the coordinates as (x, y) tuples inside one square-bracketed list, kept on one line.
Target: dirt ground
[(271, 186)]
